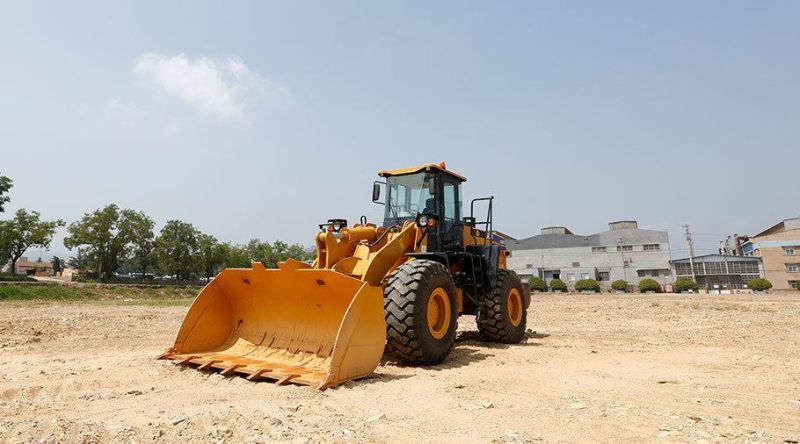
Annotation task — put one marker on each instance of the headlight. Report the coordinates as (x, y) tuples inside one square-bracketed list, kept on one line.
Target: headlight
[(426, 221), (336, 225)]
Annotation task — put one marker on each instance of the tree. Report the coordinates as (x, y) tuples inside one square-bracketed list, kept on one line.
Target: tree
[(620, 285), (259, 251), (270, 255), (79, 261), (176, 249), (57, 265), (5, 187), (211, 255), (139, 229), (108, 235), (236, 256), (537, 284), (24, 231), (647, 285), (282, 251)]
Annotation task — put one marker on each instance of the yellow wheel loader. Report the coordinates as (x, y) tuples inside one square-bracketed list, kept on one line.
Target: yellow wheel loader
[(400, 287)]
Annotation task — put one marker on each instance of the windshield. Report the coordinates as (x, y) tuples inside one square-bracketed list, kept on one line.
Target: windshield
[(409, 195)]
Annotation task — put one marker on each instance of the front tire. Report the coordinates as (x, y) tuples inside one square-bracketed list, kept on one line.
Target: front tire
[(504, 315), (421, 312)]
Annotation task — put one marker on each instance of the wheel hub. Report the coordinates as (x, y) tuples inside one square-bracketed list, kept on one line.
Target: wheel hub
[(439, 313)]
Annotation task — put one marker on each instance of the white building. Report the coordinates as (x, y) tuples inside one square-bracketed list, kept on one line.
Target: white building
[(623, 252)]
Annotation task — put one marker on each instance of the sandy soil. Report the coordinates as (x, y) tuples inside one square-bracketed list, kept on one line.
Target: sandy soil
[(595, 368)]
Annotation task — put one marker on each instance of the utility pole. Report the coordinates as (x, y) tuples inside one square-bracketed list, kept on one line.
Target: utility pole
[(690, 245)]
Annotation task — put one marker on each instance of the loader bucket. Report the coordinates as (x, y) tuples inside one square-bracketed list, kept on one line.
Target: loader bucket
[(299, 325)]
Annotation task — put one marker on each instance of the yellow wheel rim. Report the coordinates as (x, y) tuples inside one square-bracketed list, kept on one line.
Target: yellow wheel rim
[(514, 307), (438, 313)]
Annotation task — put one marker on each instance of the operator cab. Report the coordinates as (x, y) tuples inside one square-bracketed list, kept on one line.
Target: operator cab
[(430, 194)]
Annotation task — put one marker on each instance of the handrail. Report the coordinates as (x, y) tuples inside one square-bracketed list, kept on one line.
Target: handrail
[(489, 222)]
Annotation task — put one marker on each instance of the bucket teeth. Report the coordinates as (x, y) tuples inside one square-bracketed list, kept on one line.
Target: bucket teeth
[(230, 369), (208, 364), (285, 380), (166, 355), (187, 359), (258, 374)]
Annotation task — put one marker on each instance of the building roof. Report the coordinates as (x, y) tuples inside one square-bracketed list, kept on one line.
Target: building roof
[(504, 236), (415, 169), (543, 241), (34, 264), (625, 236), (780, 226), (718, 258)]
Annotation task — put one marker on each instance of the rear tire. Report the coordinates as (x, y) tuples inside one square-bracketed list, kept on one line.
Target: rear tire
[(504, 316), (421, 312)]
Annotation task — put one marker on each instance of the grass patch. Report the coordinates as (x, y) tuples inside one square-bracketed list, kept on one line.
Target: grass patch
[(15, 278), (48, 292), (151, 302), (113, 294)]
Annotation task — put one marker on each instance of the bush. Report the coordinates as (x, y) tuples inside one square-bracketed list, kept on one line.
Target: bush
[(649, 285), (537, 284), (685, 284), (587, 285), (620, 285), (759, 284), (558, 285), (797, 285)]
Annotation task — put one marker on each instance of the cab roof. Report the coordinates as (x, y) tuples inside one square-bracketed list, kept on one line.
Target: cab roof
[(427, 167)]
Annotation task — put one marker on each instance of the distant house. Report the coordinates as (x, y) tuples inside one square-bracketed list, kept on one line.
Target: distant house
[(720, 271), (24, 267), (779, 249), (624, 251)]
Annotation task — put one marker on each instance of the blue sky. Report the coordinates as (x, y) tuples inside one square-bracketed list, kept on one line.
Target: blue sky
[(262, 119)]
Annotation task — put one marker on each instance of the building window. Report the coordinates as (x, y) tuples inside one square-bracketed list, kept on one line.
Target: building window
[(792, 268), (652, 247), (624, 247), (715, 268), (603, 276), (528, 265), (738, 267), (571, 277), (652, 273), (584, 275), (598, 249), (789, 251), (794, 284), (576, 264)]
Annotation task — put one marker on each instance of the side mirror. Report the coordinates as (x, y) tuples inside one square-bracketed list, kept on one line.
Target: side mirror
[(376, 192)]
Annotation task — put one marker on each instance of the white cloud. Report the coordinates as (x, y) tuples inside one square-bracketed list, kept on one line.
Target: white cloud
[(220, 88)]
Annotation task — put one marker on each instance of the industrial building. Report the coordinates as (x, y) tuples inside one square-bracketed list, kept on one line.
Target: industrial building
[(624, 251), (720, 272), (779, 249)]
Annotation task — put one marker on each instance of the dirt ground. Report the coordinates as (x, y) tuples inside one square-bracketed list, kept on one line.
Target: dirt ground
[(605, 368)]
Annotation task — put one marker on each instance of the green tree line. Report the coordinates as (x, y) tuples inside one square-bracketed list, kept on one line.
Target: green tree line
[(111, 239)]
